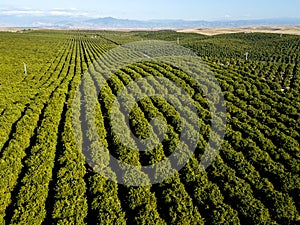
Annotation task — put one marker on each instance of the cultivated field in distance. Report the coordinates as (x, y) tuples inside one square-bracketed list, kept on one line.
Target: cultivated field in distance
[(255, 29)]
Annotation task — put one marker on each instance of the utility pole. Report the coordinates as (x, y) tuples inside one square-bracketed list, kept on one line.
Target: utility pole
[(25, 68), (247, 54)]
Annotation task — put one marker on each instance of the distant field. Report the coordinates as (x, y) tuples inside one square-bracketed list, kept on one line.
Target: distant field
[(2, 29), (205, 31), (259, 29)]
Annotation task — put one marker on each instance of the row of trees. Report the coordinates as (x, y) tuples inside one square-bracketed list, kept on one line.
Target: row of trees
[(281, 215), (254, 180), (227, 211), (171, 193), (22, 89), (67, 202), (46, 150), (244, 206), (116, 85), (140, 203), (38, 159), (16, 153), (259, 184), (261, 47)]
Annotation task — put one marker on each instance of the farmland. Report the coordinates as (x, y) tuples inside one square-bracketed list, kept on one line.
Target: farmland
[(45, 177)]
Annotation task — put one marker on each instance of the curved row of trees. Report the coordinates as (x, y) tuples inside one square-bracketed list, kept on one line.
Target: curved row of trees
[(55, 152)]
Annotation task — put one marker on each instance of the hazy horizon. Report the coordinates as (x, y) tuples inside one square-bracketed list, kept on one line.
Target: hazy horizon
[(155, 10)]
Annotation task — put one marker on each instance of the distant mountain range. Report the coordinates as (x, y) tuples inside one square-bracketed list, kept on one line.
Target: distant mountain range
[(74, 22)]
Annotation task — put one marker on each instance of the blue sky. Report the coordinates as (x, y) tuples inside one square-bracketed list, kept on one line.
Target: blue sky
[(158, 9)]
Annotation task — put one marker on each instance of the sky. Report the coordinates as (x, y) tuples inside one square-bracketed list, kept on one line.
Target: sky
[(157, 9)]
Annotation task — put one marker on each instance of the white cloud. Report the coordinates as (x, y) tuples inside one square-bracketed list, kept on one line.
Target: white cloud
[(67, 13), (40, 24), (35, 12), (22, 12), (58, 9)]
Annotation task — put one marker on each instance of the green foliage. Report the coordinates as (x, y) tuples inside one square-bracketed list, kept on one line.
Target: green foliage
[(45, 178)]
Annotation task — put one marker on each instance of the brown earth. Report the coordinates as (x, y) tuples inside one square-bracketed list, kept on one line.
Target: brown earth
[(260, 29), (209, 31), (15, 29)]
